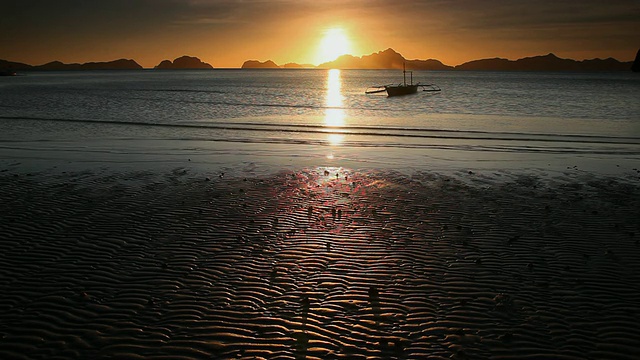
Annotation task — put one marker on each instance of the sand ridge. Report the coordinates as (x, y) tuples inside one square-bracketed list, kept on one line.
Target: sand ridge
[(317, 263)]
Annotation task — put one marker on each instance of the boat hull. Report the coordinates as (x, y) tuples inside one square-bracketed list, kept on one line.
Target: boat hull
[(401, 90)]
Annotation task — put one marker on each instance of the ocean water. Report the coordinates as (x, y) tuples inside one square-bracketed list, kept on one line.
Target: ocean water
[(264, 120)]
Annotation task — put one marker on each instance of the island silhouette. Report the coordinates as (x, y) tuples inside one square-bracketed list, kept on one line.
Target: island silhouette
[(390, 59), (184, 62), (269, 64), (386, 59), (121, 64), (255, 64)]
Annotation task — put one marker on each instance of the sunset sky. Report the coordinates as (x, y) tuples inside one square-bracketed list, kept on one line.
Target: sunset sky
[(225, 33)]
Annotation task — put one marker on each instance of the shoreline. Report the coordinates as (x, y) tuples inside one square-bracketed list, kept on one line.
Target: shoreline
[(251, 161), (318, 262)]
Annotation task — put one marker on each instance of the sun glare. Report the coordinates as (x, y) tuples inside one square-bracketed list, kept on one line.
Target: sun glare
[(333, 44), (334, 114)]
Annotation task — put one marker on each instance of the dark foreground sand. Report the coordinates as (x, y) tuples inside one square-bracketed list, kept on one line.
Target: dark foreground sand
[(375, 265)]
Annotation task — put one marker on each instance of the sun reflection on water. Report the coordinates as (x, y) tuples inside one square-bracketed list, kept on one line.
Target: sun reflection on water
[(334, 114)]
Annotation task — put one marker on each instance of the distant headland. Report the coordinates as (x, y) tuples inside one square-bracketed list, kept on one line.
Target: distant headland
[(121, 64), (390, 59), (387, 59), (636, 63)]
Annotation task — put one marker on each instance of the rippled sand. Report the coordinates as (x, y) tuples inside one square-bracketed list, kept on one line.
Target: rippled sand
[(314, 264)]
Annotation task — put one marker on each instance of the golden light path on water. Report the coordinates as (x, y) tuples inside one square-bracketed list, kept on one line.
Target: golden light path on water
[(334, 114)]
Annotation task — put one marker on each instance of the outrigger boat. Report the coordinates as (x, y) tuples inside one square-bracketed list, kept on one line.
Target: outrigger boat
[(404, 88)]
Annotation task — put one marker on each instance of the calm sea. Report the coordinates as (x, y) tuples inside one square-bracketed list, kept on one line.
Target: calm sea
[(253, 120)]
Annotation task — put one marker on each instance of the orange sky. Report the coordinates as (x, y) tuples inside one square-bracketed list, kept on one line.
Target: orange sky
[(225, 33)]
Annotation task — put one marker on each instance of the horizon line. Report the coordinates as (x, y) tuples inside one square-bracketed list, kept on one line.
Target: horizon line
[(317, 66)]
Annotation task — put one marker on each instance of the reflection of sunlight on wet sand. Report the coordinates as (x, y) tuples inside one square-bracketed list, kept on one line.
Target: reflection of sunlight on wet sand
[(334, 115)]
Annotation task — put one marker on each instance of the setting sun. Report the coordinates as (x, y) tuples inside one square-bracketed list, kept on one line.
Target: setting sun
[(333, 44)]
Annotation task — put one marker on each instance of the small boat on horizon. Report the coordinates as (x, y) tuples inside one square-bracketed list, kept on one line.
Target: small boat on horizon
[(403, 88)]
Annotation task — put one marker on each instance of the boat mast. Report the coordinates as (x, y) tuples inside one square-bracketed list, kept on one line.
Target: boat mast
[(404, 74)]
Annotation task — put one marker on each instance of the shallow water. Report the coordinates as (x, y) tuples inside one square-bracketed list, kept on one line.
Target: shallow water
[(279, 118)]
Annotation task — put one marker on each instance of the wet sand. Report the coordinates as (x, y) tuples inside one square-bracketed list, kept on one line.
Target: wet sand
[(319, 264)]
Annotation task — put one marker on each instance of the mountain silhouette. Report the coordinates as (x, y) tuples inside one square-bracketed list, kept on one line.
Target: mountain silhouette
[(390, 59), (13, 66), (57, 65), (121, 64), (255, 64), (183, 62), (549, 62), (636, 63), (387, 59)]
